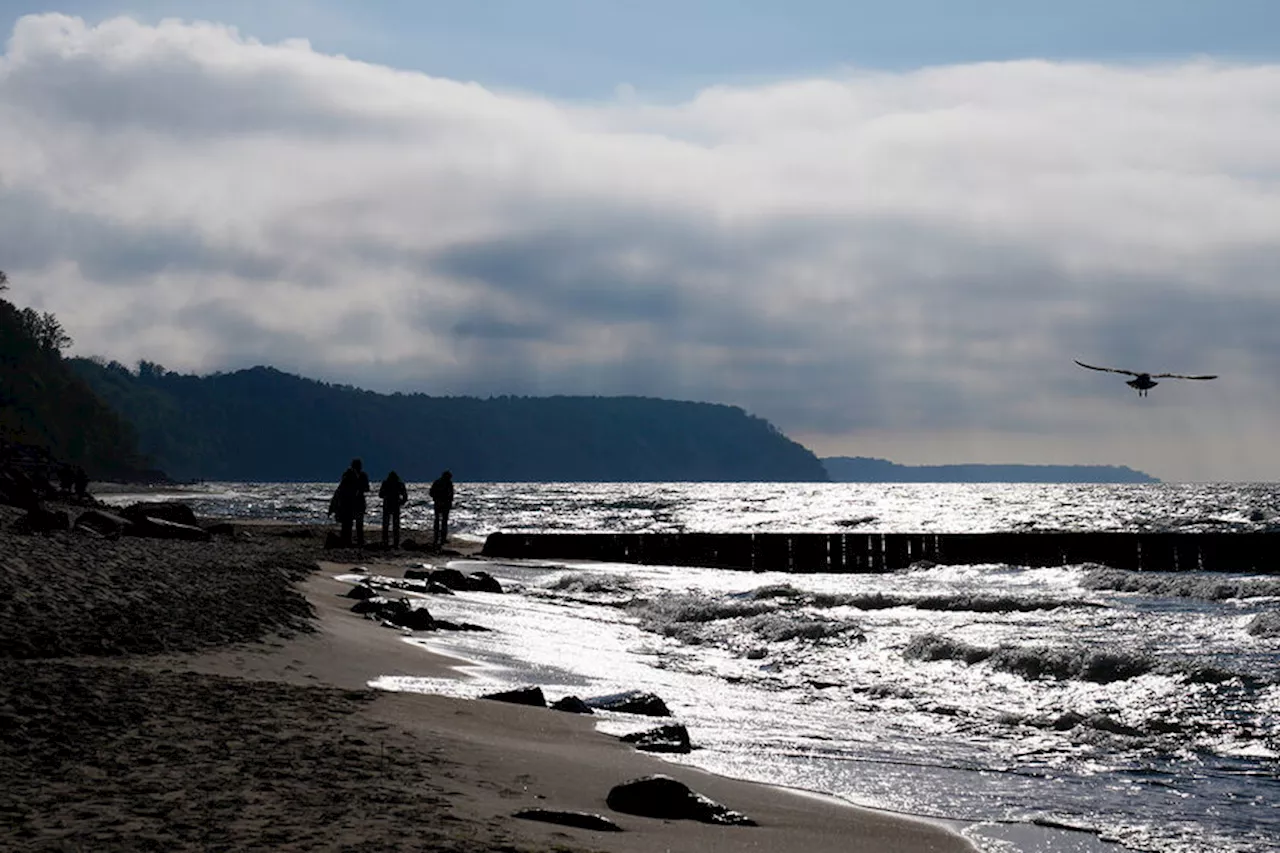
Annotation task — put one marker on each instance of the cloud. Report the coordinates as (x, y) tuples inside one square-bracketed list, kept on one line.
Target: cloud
[(912, 256)]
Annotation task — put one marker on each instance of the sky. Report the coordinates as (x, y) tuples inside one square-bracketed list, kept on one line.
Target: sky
[(889, 229)]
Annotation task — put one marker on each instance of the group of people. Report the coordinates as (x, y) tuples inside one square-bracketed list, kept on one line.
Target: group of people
[(348, 505)]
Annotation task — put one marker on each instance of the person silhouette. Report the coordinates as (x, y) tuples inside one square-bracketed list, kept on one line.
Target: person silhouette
[(394, 495), (442, 502), (348, 503)]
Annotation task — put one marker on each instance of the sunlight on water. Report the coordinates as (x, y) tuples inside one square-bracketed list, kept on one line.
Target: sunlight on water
[(1094, 711)]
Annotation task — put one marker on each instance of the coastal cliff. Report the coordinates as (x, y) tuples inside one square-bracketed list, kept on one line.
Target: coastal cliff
[(265, 425)]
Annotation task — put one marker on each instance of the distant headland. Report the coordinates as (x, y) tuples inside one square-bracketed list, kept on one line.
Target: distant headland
[(862, 469)]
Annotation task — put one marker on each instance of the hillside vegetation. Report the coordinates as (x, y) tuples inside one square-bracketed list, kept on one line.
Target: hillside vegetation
[(45, 404), (262, 424)]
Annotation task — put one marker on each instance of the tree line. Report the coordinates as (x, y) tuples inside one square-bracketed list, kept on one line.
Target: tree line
[(44, 404), (266, 425)]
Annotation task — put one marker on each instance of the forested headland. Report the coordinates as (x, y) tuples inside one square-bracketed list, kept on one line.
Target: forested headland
[(863, 469), (266, 425), (47, 408)]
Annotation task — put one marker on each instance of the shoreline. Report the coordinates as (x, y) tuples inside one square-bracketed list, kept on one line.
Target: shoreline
[(1026, 835), (188, 695), (553, 748)]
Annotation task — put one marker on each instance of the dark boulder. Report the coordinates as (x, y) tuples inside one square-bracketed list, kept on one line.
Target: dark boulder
[(451, 578), (571, 705), (361, 590), (484, 582), (103, 523), (666, 798), (581, 820), (432, 586), (520, 696), (442, 625), (671, 739), (172, 511), (413, 618), (631, 702)]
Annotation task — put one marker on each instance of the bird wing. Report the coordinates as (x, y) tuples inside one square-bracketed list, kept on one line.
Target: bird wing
[(1180, 376), (1107, 369)]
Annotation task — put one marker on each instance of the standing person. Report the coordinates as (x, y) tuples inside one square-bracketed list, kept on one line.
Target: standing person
[(394, 495), (442, 501), (348, 504)]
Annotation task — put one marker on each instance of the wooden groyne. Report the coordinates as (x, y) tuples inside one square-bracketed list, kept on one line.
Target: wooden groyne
[(1255, 552)]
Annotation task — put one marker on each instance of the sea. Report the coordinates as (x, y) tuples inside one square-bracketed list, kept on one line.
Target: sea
[(1070, 709)]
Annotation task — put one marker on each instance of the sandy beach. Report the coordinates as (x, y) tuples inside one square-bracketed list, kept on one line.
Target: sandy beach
[(195, 696)]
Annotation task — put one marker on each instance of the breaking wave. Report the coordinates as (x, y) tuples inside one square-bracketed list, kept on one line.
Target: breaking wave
[(960, 601), (1180, 584), (1062, 664), (702, 619), (592, 584)]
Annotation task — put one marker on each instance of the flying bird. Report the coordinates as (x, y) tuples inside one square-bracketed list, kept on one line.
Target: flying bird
[(1143, 382)]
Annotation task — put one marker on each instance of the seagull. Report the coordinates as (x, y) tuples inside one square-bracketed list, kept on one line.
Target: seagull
[(1143, 382)]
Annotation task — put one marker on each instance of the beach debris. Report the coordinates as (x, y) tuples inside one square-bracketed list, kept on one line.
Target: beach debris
[(663, 797), (160, 528), (631, 702), (172, 511), (531, 695), (103, 523), (581, 820), (673, 738), (571, 705)]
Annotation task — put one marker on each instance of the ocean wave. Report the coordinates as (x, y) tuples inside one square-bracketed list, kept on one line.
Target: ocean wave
[(777, 590), (930, 647), (735, 623), (1068, 664), (967, 602), (1033, 662), (694, 608), (1180, 585), (780, 627), (590, 583)]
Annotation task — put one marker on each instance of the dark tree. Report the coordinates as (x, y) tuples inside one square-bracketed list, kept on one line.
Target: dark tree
[(45, 330)]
